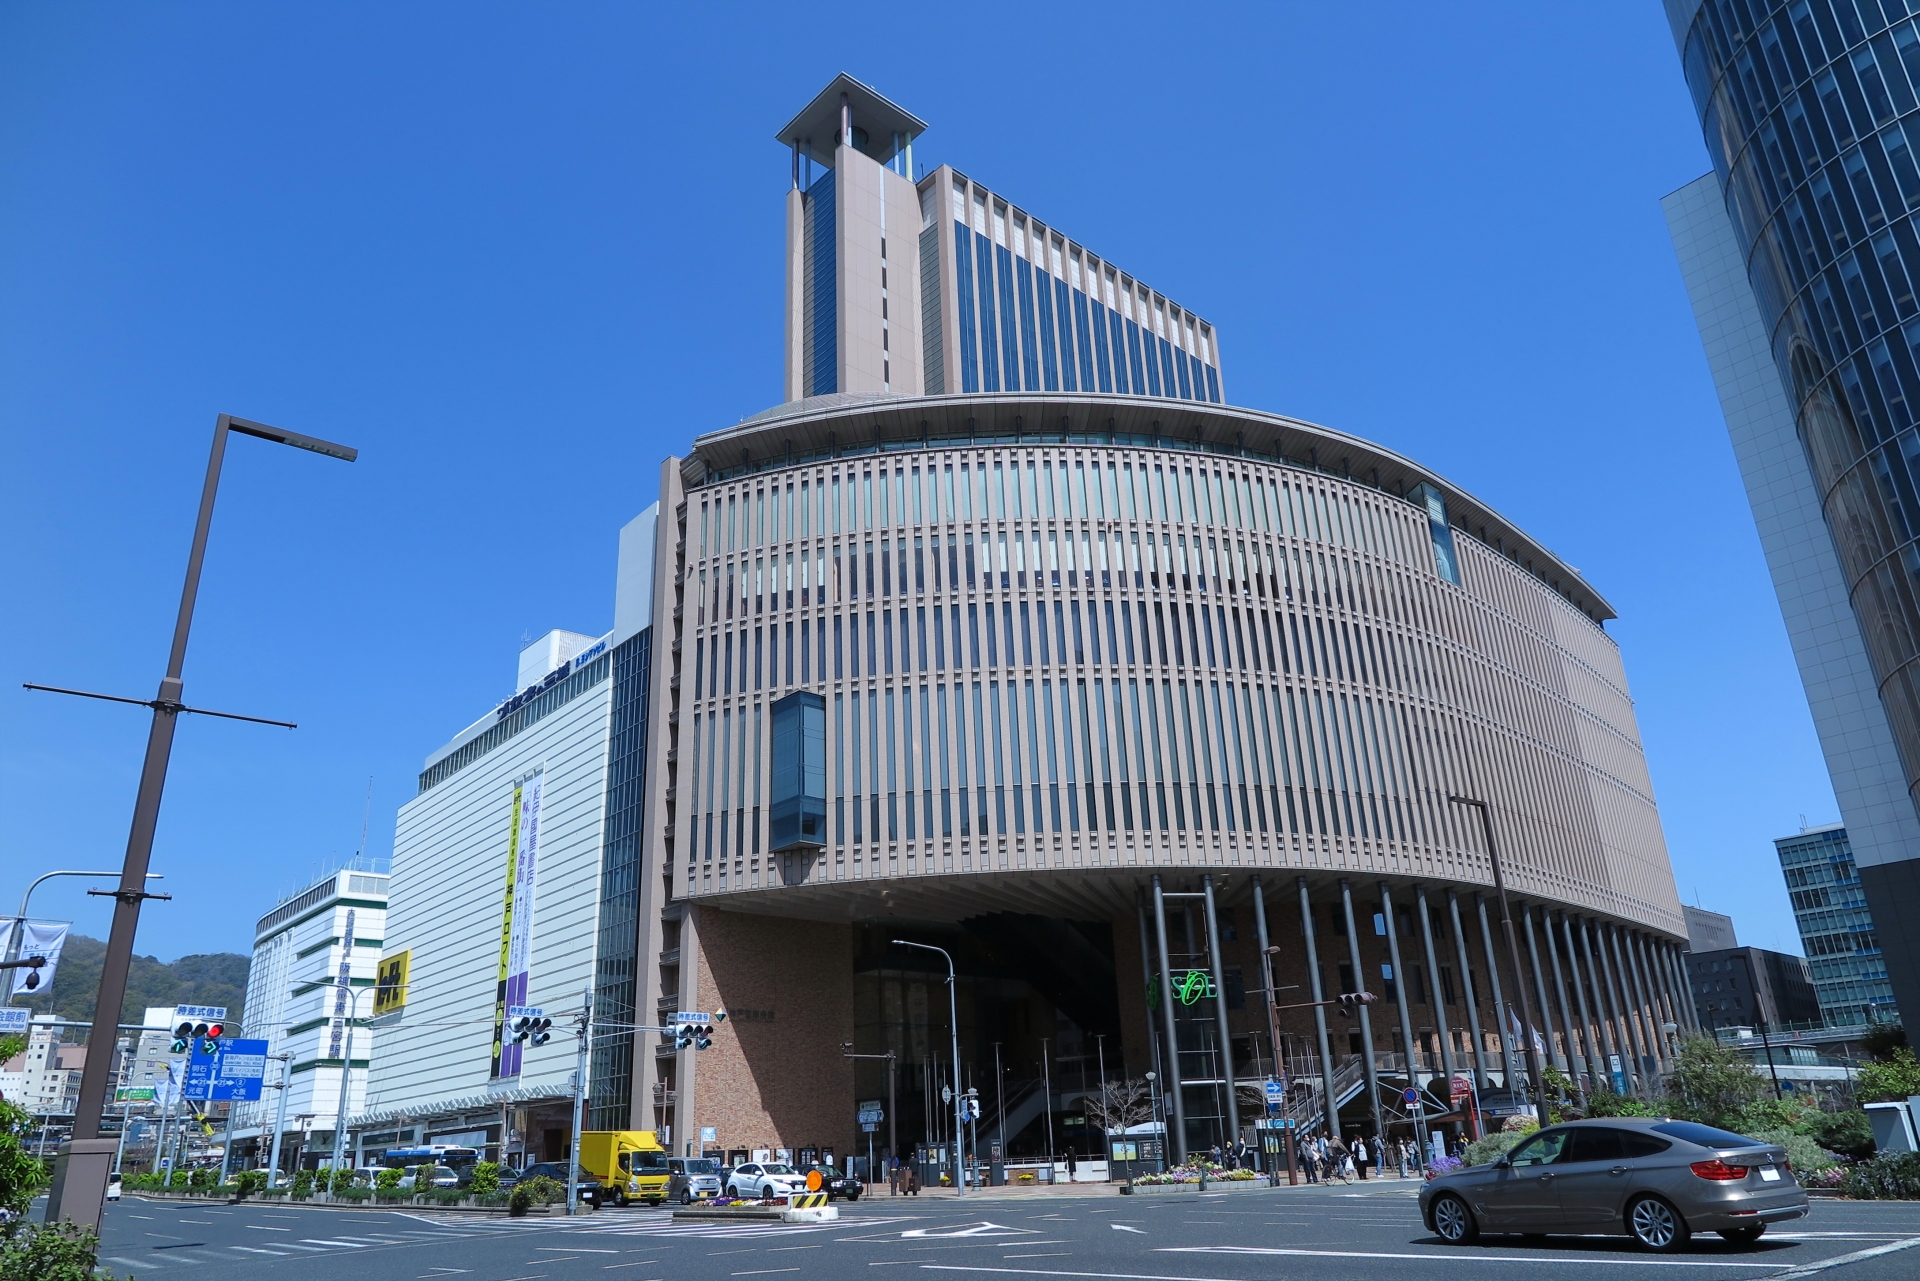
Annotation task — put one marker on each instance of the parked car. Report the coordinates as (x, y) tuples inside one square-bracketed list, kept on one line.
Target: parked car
[(692, 1178), (765, 1181), (1655, 1180), (589, 1188), (838, 1184), (113, 1186), (443, 1177)]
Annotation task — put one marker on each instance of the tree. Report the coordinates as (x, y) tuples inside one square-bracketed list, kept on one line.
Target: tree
[(1891, 1079), (1712, 1083), (34, 1251), (1119, 1105), (1602, 1101)]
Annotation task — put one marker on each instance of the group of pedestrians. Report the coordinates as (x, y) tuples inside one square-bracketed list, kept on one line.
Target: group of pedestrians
[(1327, 1157)]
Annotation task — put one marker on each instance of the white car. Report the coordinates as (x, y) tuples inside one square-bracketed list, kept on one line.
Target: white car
[(765, 1182)]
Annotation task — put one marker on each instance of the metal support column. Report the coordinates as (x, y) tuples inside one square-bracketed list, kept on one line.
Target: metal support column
[(1649, 999), (1146, 985), (1177, 1139), (1400, 986), (1438, 998), (1220, 1012), (1331, 1103), (1610, 998), (1596, 1057), (1367, 1065), (1577, 1060), (1500, 1015), (1540, 986), (1268, 997), (1610, 1046), (1623, 994), (1677, 969), (1480, 1080)]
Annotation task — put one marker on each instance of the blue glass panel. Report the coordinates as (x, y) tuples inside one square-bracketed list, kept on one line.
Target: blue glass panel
[(1153, 365), (823, 277), (989, 343), (1213, 384), (1100, 358), (1029, 334), (1133, 359), (963, 288), (1067, 366), (798, 795), (1180, 367), (1049, 357), (1114, 326), (1009, 340), (1086, 339), (1166, 368)]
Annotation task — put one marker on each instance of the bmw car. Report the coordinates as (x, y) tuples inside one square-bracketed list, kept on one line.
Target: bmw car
[(1655, 1180)]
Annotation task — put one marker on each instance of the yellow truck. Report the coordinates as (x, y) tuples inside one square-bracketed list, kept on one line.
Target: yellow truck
[(630, 1164)]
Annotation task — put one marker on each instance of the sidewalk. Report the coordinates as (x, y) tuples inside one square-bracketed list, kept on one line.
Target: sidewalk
[(878, 1192)]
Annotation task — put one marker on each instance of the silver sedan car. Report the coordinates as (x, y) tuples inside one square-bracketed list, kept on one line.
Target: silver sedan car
[(1655, 1180)]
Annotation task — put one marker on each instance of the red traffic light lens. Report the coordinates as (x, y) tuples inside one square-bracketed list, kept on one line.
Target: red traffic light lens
[(214, 1029)]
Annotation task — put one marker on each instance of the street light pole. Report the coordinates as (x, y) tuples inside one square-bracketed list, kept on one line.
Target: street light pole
[(279, 1118), (80, 1176), (1513, 956), (959, 1098)]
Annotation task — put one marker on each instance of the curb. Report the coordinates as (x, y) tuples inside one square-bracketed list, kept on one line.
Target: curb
[(391, 1207)]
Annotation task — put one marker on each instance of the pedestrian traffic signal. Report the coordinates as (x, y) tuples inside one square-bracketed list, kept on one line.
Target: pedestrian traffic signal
[(1351, 1001)]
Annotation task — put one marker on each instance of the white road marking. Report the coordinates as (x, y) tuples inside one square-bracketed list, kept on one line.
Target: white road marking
[(1466, 1257), (1121, 1227), (278, 1254), (1808, 1269), (351, 1245), (261, 1227)]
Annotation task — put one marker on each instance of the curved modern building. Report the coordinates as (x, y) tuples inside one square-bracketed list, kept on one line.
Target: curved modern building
[(1008, 638), (1802, 258)]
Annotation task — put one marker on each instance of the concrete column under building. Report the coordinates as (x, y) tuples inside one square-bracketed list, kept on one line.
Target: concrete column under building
[(1482, 1082), (1434, 990), (1328, 1084), (1367, 1065)]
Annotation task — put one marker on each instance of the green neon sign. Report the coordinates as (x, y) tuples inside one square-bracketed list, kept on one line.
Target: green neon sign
[(1189, 988)]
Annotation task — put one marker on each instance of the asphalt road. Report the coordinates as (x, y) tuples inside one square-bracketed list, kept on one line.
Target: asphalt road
[(1310, 1234)]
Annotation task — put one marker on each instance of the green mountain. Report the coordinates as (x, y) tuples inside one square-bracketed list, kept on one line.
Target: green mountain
[(212, 978)]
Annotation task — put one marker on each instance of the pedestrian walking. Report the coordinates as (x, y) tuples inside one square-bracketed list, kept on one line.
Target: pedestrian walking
[(1073, 1163), (1362, 1158)]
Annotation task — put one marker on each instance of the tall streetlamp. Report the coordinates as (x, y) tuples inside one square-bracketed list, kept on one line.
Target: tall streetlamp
[(79, 1189), (1513, 956), (959, 1096)]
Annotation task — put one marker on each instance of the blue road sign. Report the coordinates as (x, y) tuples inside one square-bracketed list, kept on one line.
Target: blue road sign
[(1411, 1095), (234, 1072), (1276, 1092)]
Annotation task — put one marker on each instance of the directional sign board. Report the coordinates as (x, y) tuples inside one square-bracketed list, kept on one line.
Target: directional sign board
[(873, 1117), (13, 1019), (1276, 1092), (690, 1016), (233, 1072), (134, 1094), (525, 1012)]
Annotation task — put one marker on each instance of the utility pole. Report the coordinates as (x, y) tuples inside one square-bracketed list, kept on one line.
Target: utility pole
[(585, 1024), (279, 1119)]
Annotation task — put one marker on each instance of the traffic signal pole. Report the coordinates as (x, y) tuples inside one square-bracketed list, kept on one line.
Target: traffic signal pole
[(580, 1103)]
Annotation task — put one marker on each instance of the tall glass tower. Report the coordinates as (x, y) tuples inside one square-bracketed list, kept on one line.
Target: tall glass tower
[(1802, 261)]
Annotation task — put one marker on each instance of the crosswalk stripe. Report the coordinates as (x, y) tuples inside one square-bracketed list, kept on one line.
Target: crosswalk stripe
[(351, 1245), (278, 1254)]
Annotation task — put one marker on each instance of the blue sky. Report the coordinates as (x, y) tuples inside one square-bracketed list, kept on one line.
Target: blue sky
[(519, 254)]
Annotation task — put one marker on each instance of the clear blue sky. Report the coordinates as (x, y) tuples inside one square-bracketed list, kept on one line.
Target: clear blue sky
[(518, 254)]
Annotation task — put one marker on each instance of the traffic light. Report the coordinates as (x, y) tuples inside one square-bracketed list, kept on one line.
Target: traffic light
[(522, 1028), (973, 1105), (1351, 1001), (541, 1031), (181, 1036), (697, 1035), (209, 1035)]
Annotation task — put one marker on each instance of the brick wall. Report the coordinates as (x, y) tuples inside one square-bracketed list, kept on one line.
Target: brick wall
[(775, 1076)]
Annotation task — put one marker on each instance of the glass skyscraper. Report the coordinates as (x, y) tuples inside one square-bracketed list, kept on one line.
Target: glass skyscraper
[(1844, 958), (1802, 261)]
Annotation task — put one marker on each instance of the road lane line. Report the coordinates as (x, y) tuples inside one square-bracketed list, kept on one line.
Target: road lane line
[(1464, 1257), (1808, 1269), (260, 1227)]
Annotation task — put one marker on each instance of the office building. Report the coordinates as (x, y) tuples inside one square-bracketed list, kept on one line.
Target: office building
[(1844, 957), (1742, 985), (1708, 931), (314, 961), (1801, 259), (1097, 686), (969, 293)]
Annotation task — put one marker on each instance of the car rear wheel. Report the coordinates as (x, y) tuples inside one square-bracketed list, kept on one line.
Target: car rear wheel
[(1453, 1222), (1742, 1236), (733, 1193), (1656, 1225)]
